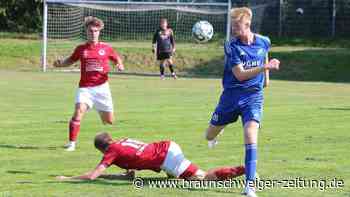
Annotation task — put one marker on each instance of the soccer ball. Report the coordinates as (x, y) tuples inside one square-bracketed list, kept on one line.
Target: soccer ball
[(202, 31), (299, 11)]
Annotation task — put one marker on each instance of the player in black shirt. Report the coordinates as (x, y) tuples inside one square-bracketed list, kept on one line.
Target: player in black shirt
[(163, 44)]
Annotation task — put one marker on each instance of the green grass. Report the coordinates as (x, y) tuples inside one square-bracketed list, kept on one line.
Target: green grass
[(305, 133)]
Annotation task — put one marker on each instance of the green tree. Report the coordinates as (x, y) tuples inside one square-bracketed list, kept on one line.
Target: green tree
[(21, 15)]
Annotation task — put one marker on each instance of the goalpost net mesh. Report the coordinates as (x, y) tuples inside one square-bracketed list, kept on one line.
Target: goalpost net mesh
[(130, 23)]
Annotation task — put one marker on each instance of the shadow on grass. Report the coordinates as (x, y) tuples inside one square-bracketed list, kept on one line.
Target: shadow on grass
[(28, 147), (327, 65), (336, 108), (149, 183), (19, 172)]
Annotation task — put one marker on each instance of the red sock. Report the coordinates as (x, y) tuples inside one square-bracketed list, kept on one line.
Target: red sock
[(74, 128), (229, 172)]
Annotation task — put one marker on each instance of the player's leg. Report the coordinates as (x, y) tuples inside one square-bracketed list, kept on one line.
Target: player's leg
[(161, 67), (82, 103), (103, 103), (175, 163), (171, 66), (251, 138), (251, 117), (226, 112), (222, 173), (74, 125), (106, 117), (212, 132)]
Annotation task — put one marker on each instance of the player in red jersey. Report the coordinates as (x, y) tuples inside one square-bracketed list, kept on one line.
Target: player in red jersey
[(163, 155), (93, 89)]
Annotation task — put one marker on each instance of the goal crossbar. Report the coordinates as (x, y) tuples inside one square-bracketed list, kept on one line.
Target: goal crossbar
[(137, 3)]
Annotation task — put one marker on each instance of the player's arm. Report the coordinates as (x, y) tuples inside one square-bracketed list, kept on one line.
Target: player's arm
[(127, 175), (69, 60), (119, 63), (172, 40), (116, 59), (244, 74), (92, 175), (63, 62), (267, 73), (154, 42)]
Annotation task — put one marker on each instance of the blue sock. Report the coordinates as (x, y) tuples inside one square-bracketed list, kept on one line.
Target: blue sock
[(250, 162)]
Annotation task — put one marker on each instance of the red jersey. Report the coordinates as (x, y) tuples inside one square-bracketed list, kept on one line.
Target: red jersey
[(133, 154), (94, 62)]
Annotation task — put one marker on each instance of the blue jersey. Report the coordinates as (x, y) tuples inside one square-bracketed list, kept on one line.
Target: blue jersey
[(250, 56)]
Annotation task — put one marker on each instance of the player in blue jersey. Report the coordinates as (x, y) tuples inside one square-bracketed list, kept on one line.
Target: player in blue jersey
[(246, 73)]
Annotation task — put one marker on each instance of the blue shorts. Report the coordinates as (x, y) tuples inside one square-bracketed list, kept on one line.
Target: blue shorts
[(235, 103)]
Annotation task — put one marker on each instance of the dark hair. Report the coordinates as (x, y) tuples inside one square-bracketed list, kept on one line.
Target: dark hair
[(102, 141)]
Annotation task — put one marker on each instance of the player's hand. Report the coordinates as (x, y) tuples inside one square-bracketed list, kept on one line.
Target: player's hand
[(57, 63), (130, 174), (62, 178), (273, 64), (120, 67), (174, 50)]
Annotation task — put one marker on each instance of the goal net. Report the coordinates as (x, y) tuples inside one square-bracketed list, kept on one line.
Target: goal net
[(125, 22), (131, 24)]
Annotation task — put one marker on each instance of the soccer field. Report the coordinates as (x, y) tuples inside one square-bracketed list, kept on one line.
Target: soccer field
[(305, 134)]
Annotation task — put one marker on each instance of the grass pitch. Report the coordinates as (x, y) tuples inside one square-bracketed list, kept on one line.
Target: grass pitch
[(305, 133)]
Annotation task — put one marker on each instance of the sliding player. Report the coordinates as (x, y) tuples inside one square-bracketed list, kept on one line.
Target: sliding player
[(163, 155), (246, 73), (163, 45), (93, 88)]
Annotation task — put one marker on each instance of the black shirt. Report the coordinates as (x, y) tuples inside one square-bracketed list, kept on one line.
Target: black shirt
[(165, 40)]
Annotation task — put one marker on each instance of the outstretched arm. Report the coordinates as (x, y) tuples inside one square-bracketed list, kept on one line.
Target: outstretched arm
[(87, 176), (128, 175), (63, 62)]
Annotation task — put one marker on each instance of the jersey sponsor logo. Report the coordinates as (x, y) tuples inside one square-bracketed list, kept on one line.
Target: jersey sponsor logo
[(93, 65), (101, 52), (251, 64)]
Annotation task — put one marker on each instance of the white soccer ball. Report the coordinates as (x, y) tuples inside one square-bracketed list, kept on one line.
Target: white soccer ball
[(299, 11), (202, 31)]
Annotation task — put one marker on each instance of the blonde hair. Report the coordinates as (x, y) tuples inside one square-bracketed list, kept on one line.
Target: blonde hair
[(238, 14), (94, 21)]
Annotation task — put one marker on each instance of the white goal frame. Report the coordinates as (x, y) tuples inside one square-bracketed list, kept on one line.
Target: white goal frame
[(129, 2)]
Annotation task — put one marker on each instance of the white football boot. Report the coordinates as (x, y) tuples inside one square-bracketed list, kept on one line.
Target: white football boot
[(212, 143), (70, 146), (249, 191)]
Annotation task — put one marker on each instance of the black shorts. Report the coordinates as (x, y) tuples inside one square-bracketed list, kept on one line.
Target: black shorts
[(164, 55)]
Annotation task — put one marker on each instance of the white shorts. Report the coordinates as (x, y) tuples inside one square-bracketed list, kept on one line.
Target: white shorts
[(98, 96), (175, 162)]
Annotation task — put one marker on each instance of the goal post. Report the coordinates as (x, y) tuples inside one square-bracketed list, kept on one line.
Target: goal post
[(134, 21), (124, 21)]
